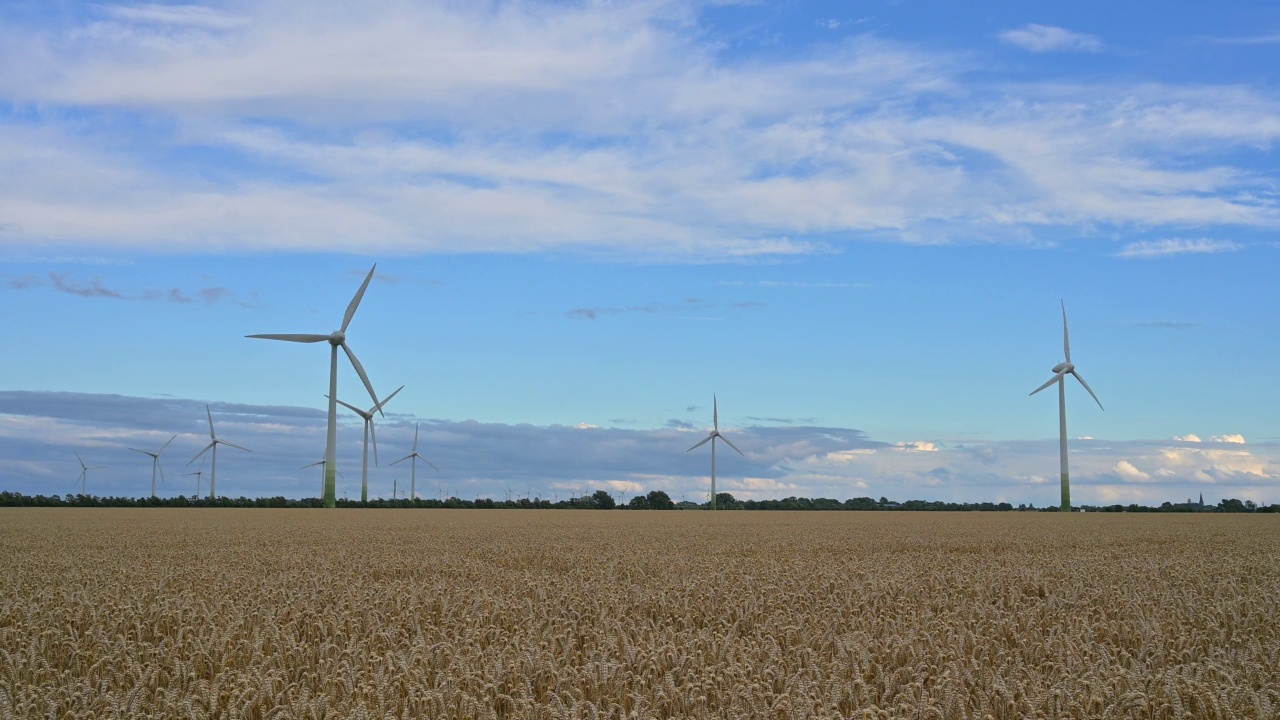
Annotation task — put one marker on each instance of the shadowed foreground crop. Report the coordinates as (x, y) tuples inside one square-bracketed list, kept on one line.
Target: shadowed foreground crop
[(124, 613)]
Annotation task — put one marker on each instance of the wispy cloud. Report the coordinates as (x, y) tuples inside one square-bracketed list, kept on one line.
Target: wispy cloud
[(654, 308), (180, 15), (1150, 249), (1048, 38), (1273, 39), (96, 288), (789, 284), (1167, 324)]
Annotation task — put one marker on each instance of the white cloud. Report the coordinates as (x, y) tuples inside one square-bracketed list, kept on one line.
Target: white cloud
[(1126, 470), (917, 446), (1048, 38), (1236, 439), (1147, 249), (1189, 437), (664, 149)]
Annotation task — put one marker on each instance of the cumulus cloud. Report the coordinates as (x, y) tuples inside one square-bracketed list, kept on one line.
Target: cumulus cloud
[(917, 446), (1235, 439), (1126, 470), (1189, 437), (1150, 249), (1048, 38)]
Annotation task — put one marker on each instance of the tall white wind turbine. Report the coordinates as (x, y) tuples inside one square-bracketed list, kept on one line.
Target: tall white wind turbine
[(336, 339), (213, 468), (155, 463), (413, 472), (84, 471), (369, 431), (711, 438), (1060, 373)]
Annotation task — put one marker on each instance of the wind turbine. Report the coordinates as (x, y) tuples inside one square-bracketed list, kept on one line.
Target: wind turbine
[(711, 438), (155, 463), (199, 475), (336, 339), (84, 471), (368, 431), (213, 469), (413, 473), (323, 464), (1060, 372)]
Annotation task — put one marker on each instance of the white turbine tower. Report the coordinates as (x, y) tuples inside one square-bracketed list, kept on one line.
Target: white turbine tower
[(213, 468), (336, 339), (84, 471), (711, 438), (155, 463), (369, 431), (1060, 372), (413, 472)]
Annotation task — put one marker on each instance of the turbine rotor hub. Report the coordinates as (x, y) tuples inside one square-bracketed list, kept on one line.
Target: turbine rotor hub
[(1064, 367), (337, 338)]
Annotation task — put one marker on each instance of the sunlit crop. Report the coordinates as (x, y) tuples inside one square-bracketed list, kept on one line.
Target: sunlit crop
[(562, 614)]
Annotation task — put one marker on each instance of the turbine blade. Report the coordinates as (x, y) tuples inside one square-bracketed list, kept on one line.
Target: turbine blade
[(715, 411), (161, 469), (428, 462), (360, 371), (318, 462), (162, 447), (406, 457), (373, 435), (355, 302), (205, 450), (735, 447), (702, 442), (224, 442), (1066, 341), (415, 437), (386, 400), (79, 458), (144, 452), (351, 407), (1086, 387), (1056, 377), (291, 337), (210, 414)]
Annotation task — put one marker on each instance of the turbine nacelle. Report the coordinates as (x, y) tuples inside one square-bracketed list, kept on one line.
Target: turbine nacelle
[(337, 338), (1064, 367)]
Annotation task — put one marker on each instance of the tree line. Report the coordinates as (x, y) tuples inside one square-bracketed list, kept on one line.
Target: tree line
[(603, 500)]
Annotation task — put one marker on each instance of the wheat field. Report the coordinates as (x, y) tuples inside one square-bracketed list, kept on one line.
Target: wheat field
[(223, 613)]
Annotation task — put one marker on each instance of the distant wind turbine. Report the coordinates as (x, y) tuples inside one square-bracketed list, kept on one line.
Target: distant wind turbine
[(413, 473), (369, 431), (215, 442), (84, 471), (199, 475), (1060, 372), (155, 463), (323, 464), (336, 339), (711, 438)]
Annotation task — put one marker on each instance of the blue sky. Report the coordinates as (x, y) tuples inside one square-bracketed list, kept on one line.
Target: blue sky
[(852, 221)]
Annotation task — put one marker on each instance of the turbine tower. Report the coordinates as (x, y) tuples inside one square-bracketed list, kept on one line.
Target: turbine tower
[(413, 472), (369, 431), (215, 442), (1060, 373), (84, 471), (336, 339), (155, 463), (711, 438)]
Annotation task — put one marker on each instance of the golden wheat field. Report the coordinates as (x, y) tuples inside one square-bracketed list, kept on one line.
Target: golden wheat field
[(221, 613)]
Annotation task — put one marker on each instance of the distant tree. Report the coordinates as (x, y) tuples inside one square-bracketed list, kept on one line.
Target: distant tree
[(658, 500), (726, 501), (602, 500)]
